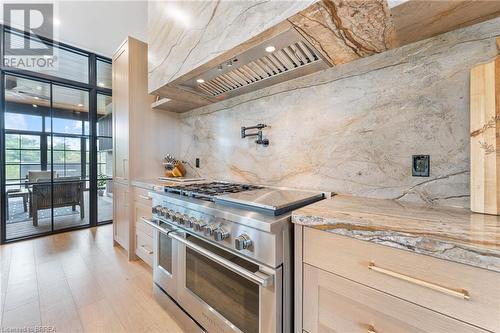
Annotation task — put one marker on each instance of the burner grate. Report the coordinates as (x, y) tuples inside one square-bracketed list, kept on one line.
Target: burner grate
[(208, 191)]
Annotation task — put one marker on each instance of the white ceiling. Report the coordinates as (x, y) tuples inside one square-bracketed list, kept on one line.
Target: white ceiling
[(97, 26)]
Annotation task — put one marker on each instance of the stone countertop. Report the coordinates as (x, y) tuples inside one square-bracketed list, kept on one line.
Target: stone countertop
[(150, 184), (157, 184), (447, 233)]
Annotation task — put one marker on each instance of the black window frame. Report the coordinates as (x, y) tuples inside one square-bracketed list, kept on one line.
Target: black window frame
[(93, 89)]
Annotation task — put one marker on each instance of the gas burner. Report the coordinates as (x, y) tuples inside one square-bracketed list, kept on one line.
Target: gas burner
[(208, 191)]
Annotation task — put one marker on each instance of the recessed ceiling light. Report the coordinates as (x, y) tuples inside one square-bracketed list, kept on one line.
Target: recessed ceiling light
[(200, 81), (35, 106), (36, 97), (80, 105), (270, 49)]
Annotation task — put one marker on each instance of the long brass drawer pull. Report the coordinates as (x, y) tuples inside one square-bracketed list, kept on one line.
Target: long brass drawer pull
[(144, 197), (460, 293)]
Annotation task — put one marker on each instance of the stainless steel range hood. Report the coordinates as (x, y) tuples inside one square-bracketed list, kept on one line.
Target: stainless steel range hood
[(256, 68)]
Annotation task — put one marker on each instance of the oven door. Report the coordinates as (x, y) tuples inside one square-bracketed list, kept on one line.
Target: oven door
[(225, 292), (164, 257)]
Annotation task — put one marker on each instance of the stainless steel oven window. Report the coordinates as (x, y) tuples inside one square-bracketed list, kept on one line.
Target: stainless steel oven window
[(231, 295), (165, 257)]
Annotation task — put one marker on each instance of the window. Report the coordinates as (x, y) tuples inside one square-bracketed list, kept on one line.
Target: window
[(47, 130), (22, 153), (65, 63), (70, 114), (103, 74), (68, 156)]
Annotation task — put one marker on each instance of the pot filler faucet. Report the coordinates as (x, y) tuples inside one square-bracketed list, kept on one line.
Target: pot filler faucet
[(260, 140)]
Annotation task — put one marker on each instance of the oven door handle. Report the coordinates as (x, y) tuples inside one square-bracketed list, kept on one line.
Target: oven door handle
[(155, 226), (259, 278)]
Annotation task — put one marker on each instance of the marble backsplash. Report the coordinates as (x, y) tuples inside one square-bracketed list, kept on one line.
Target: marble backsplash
[(352, 129)]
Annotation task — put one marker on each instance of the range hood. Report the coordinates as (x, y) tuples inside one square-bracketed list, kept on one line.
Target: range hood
[(323, 35), (286, 56)]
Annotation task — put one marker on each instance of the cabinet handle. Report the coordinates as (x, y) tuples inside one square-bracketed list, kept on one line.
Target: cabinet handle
[(460, 293), (145, 249), (123, 168), (145, 197)]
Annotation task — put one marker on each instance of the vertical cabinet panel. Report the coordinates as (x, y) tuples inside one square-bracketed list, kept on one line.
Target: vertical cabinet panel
[(121, 113), (121, 221)]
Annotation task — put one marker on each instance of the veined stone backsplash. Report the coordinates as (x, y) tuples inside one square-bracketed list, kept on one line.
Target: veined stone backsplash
[(352, 129)]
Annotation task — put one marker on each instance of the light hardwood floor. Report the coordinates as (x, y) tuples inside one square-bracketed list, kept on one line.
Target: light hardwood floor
[(78, 282)]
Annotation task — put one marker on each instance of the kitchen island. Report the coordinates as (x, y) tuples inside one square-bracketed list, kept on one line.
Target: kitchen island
[(378, 265), (453, 234)]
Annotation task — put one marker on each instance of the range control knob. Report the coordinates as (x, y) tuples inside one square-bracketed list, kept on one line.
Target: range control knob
[(191, 222), (209, 229), (198, 226), (242, 242), (183, 219), (176, 217), (156, 209), (220, 234), (162, 211)]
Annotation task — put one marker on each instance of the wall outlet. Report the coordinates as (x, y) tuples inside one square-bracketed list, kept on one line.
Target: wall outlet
[(197, 162), (421, 165)]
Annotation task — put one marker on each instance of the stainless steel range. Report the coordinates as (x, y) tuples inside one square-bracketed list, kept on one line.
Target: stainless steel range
[(223, 254)]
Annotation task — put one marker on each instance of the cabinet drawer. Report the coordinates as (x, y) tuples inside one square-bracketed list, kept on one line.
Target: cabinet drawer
[(141, 195), (460, 291), (144, 247), (335, 304), (141, 210)]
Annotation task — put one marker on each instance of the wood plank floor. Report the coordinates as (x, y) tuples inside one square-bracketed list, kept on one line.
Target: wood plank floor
[(78, 282)]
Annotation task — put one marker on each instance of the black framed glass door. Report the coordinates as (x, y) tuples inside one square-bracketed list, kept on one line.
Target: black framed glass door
[(47, 160), (55, 141)]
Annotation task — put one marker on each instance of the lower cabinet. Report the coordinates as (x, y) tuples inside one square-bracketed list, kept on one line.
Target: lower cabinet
[(348, 285), (143, 232), (336, 304)]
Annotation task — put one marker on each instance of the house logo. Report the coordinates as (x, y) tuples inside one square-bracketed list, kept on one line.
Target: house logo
[(26, 46)]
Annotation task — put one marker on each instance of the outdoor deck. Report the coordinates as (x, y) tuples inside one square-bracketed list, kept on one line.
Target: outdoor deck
[(20, 224)]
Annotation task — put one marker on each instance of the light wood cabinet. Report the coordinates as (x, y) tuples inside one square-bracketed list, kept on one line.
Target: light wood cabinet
[(336, 304), (121, 111), (130, 101), (346, 285), (143, 231), (121, 221), (141, 137), (449, 288)]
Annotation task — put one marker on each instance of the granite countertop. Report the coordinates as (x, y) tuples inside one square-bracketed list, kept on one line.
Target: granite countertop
[(447, 233)]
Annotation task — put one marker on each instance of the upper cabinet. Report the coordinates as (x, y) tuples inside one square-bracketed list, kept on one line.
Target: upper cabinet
[(203, 52)]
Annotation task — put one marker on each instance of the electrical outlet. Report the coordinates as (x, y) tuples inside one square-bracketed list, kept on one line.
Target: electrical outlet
[(421, 165), (197, 162)]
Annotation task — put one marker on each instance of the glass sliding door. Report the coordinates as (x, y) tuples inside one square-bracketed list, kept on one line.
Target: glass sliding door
[(70, 158), (55, 141), (27, 133), (47, 158)]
